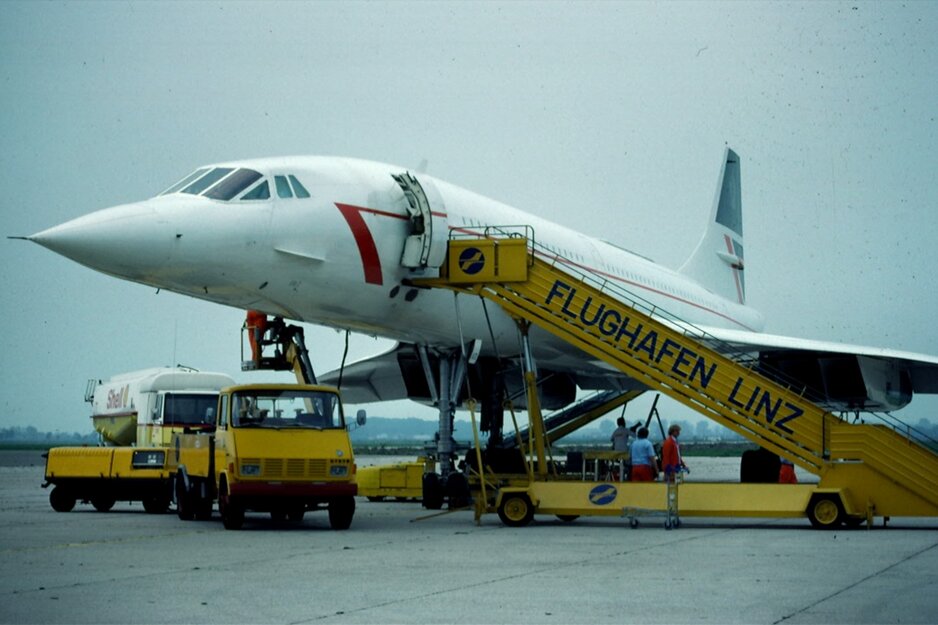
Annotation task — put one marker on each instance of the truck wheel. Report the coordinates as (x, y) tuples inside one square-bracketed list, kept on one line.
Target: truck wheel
[(825, 511), (296, 514), (341, 511), (516, 510), (103, 503), (61, 499), (232, 513), (183, 501)]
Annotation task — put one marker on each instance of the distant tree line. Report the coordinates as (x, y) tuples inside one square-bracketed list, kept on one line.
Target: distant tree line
[(30, 434)]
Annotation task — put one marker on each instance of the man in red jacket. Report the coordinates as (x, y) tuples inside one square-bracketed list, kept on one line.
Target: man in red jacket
[(671, 461)]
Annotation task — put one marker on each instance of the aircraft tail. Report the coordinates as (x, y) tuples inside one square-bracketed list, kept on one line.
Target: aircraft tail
[(717, 262)]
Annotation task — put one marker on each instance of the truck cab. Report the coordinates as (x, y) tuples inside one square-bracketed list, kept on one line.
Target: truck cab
[(283, 449)]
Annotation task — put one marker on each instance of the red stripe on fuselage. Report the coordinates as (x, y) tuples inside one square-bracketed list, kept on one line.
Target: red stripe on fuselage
[(371, 263)]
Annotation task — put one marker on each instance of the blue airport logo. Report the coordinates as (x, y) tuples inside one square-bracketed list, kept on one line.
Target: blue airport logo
[(471, 261), (603, 494)]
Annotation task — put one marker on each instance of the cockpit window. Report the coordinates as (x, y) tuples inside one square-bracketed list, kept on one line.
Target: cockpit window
[(207, 180), (283, 187), (233, 184), (260, 192), (198, 173), (299, 189)]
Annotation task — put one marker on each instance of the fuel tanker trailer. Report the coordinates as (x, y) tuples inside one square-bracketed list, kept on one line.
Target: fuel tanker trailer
[(136, 415)]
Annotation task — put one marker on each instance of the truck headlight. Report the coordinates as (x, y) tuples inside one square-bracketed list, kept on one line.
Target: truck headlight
[(250, 469), (148, 459), (338, 470)]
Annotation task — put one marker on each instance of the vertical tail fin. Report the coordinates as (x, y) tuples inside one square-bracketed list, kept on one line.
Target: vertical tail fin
[(717, 262)]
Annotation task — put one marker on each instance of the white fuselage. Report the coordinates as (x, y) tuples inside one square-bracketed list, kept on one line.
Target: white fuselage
[(334, 258)]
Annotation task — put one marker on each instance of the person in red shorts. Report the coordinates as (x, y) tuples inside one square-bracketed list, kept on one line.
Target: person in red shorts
[(643, 458), (786, 472)]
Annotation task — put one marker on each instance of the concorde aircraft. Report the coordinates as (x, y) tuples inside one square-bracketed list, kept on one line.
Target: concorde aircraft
[(338, 241)]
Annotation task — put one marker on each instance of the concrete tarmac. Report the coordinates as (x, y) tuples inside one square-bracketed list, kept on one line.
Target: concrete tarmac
[(127, 566)]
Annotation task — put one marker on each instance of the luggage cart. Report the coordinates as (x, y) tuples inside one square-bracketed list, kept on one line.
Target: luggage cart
[(672, 517)]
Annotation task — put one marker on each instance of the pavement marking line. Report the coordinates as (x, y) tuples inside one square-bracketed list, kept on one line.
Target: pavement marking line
[(856, 583)]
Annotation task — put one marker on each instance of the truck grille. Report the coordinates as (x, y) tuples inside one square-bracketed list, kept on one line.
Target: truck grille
[(294, 468)]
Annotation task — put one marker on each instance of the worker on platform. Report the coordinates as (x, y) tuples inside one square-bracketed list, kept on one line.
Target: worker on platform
[(786, 472), (256, 324), (620, 436), (644, 461), (671, 461)]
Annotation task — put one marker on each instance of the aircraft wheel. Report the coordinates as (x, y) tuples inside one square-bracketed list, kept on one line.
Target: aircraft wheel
[(278, 515), (433, 492), (633, 523), (296, 514), (232, 513), (103, 503), (457, 491), (516, 510), (341, 511), (825, 511), (568, 518), (61, 499)]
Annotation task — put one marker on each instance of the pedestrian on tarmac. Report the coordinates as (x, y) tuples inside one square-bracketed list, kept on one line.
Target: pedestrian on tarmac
[(644, 460), (671, 461)]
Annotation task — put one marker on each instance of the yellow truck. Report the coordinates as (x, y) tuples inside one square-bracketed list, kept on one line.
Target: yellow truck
[(282, 449)]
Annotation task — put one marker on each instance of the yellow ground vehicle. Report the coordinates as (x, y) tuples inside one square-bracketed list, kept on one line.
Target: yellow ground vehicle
[(277, 448), (105, 475), (135, 415)]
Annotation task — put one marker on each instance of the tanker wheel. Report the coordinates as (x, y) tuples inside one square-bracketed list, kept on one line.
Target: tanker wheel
[(184, 508), (232, 513), (825, 511), (61, 499), (103, 503), (341, 511), (516, 510)]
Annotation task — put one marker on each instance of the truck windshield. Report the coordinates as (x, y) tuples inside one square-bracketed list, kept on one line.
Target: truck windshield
[(286, 409), (189, 409)]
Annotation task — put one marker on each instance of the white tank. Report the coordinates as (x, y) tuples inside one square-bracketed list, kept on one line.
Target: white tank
[(146, 407)]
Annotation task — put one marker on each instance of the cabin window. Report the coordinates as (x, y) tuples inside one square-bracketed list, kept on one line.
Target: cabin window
[(198, 173), (260, 192), (283, 187), (298, 189), (233, 184)]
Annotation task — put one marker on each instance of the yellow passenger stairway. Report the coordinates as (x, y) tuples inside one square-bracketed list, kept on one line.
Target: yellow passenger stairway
[(873, 469)]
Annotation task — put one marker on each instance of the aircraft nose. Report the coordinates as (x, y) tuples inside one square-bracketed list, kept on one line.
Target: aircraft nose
[(129, 241)]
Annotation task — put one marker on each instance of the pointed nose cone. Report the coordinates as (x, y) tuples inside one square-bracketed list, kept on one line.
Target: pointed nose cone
[(130, 241)]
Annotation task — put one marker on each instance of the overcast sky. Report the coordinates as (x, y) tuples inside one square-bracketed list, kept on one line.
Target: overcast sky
[(608, 117)]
